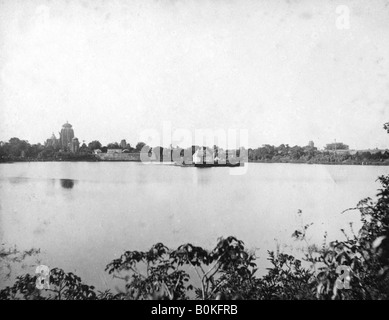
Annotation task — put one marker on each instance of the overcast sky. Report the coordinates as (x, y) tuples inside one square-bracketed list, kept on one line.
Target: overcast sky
[(283, 70)]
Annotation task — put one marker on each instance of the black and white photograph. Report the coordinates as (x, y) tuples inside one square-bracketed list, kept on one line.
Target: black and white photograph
[(196, 150)]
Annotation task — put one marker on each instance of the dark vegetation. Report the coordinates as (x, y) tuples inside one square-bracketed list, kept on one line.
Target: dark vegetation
[(307, 154), (21, 150)]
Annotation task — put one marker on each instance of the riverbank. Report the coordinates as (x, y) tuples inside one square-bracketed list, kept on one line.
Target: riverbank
[(67, 160), (50, 160), (95, 159), (99, 158), (350, 163)]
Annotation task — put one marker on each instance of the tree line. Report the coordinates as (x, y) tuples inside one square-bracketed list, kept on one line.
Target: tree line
[(17, 149), (308, 154)]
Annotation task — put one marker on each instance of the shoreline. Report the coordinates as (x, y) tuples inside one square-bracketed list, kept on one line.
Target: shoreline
[(371, 163)]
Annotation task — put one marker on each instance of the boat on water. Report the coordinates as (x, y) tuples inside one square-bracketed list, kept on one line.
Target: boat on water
[(209, 165), (200, 160), (185, 165)]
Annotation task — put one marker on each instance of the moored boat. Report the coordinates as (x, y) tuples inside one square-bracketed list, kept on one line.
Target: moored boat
[(211, 165), (202, 159)]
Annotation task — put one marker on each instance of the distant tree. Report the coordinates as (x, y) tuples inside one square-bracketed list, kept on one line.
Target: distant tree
[(113, 145), (33, 150), (84, 148), (47, 153), (336, 146), (296, 152), (123, 144), (129, 147), (15, 146), (94, 145), (366, 155), (139, 146), (3, 153)]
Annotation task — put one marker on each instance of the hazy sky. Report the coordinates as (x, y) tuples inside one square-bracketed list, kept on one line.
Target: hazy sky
[(283, 70)]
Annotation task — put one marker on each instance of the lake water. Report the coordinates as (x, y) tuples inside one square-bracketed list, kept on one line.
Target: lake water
[(82, 215)]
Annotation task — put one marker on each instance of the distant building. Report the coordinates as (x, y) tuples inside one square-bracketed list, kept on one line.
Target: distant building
[(123, 144), (52, 142), (66, 140), (114, 150), (75, 145), (66, 136), (311, 144)]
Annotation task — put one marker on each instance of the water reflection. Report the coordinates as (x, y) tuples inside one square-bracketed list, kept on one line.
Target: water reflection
[(17, 180), (67, 183)]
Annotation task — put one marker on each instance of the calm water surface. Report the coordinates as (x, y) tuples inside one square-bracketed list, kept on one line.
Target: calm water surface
[(83, 215)]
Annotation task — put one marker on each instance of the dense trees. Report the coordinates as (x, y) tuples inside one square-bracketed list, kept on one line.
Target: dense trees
[(123, 146), (307, 154), (18, 150), (139, 146), (336, 146), (94, 145), (282, 153), (113, 145)]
